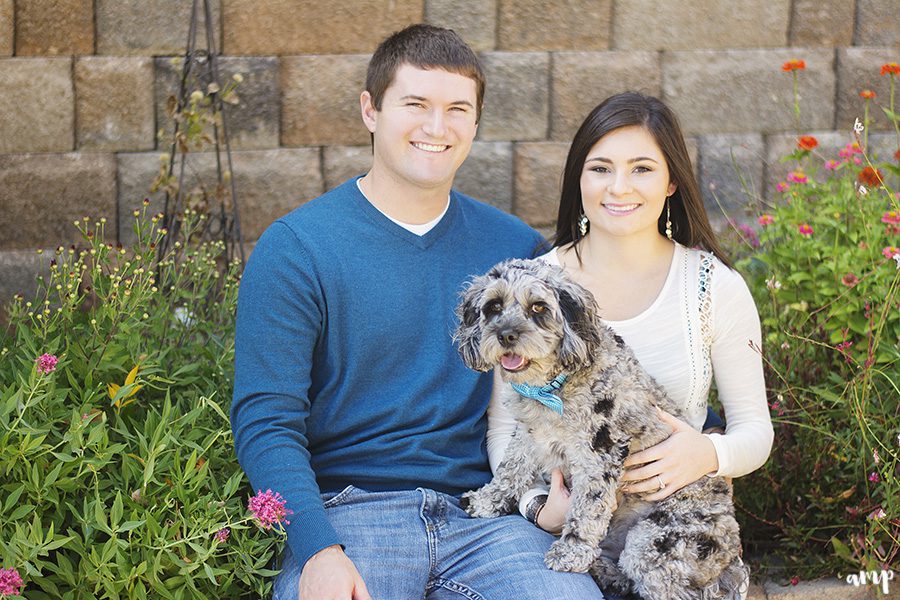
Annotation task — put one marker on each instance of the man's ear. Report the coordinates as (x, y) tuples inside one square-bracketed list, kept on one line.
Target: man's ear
[(368, 110)]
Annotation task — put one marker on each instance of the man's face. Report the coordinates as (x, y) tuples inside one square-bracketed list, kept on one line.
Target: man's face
[(425, 127)]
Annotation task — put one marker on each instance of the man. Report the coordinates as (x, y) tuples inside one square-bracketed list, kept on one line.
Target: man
[(350, 400)]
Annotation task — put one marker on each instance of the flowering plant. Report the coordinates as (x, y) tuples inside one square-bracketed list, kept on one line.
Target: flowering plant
[(118, 472), (822, 262)]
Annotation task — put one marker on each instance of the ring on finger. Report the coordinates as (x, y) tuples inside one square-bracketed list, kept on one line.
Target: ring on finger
[(662, 484)]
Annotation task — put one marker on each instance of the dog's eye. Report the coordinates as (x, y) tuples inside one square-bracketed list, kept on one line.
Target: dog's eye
[(494, 307), (538, 308)]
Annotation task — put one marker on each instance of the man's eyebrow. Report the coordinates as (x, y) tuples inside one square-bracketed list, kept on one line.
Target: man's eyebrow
[(602, 159), (422, 99)]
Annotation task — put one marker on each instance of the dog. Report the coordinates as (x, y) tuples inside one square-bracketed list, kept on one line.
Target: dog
[(597, 406)]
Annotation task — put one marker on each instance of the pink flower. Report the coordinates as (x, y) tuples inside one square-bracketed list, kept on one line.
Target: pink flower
[(878, 513), (797, 177), (46, 363), (782, 186), (892, 217), (890, 251), (765, 220), (832, 165), (849, 150), (873, 477), (805, 230), (222, 535), (269, 508), (11, 583), (748, 233), (849, 279)]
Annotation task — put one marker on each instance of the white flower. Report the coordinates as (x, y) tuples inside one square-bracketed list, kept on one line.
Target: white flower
[(773, 284), (857, 126), (896, 258)]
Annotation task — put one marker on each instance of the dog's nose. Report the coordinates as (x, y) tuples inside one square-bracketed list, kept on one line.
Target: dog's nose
[(508, 337)]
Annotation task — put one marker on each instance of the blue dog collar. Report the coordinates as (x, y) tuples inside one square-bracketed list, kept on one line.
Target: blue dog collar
[(544, 394)]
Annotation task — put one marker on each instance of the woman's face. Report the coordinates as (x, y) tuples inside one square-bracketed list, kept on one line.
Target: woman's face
[(624, 183)]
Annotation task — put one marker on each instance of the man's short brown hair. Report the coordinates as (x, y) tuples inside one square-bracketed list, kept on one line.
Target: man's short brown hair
[(425, 47)]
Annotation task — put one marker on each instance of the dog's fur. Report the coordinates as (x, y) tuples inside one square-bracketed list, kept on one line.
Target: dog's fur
[(686, 546)]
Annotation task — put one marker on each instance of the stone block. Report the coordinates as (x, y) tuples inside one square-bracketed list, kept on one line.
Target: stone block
[(822, 589), (756, 592), (340, 163), (859, 69), (569, 25), (582, 80), (6, 27), (881, 148), (676, 25), (474, 20), (268, 183), (138, 27), (302, 27), (38, 105), (50, 27), (320, 100), (822, 23), (731, 175), (42, 194), (19, 271), (487, 174), (877, 24), (516, 99), (254, 122), (737, 91), (114, 103), (538, 171)]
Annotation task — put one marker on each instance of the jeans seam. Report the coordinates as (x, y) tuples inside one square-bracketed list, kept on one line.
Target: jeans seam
[(457, 588)]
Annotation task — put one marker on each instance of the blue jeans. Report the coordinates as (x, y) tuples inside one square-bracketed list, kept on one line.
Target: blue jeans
[(421, 544)]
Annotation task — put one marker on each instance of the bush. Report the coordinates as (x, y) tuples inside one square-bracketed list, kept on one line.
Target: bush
[(823, 265), (117, 469)]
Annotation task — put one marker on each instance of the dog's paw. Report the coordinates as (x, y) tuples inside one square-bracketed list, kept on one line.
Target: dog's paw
[(479, 504), (570, 556)]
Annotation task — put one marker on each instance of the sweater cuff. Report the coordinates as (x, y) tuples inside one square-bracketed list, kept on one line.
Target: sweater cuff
[(718, 441), (310, 532)]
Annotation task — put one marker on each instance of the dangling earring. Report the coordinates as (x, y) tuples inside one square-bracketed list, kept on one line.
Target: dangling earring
[(583, 225), (668, 220)]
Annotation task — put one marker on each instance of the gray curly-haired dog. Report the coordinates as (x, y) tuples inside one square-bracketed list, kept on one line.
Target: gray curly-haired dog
[(529, 318)]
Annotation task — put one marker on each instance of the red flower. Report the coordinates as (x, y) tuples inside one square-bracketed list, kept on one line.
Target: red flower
[(892, 68), (805, 229), (867, 94), (807, 142), (897, 155), (870, 177), (799, 65), (849, 279)]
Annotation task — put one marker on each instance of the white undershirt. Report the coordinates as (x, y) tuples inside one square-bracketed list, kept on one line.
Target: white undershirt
[(419, 229)]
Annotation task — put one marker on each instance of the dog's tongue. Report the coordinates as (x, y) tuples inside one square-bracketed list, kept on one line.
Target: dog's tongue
[(511, 362)]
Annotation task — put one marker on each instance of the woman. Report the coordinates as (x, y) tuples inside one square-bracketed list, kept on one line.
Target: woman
[(632, 229)]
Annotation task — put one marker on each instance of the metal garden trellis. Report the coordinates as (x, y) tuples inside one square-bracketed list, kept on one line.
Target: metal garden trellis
[(200, 68)]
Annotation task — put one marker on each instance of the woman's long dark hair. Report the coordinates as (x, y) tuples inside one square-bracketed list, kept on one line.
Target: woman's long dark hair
[(690, 224)]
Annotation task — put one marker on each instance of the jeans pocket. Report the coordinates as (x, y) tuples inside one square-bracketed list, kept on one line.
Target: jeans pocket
[(332, 499)]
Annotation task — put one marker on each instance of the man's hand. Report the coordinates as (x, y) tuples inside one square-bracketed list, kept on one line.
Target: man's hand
[(330, 575)]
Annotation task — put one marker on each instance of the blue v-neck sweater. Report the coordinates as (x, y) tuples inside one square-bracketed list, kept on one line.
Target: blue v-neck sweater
[(345, 368)]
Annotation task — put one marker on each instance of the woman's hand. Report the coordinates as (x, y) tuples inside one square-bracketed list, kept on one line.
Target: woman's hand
[(682, 458), (553, 515)]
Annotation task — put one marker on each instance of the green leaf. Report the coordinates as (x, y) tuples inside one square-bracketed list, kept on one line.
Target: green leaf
[(13, 498), (116, 514)]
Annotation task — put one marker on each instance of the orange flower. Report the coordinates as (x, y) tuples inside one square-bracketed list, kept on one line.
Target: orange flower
[(897, 155), (807, 142), (867, 94), (798, 65), (892, 68), (870, 177)]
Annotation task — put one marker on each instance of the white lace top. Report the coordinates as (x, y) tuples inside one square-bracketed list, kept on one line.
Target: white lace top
[(702, 325)]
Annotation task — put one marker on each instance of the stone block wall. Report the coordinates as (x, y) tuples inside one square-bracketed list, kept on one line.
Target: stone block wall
[(84, 84)]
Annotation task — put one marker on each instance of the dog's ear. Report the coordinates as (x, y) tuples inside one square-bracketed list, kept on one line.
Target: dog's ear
[(468, 334), (581, 336)]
